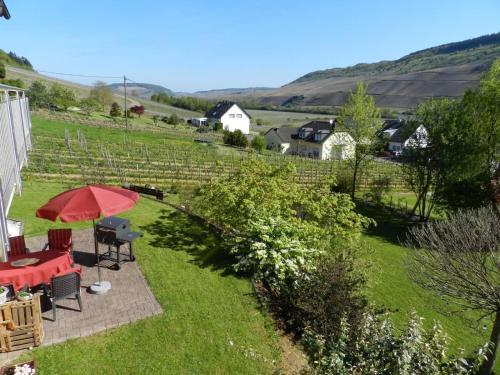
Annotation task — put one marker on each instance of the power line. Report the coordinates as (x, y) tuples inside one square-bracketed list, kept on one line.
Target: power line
[(78, 75)]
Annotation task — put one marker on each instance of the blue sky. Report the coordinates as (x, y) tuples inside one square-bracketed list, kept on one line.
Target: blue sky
[(196, 45)]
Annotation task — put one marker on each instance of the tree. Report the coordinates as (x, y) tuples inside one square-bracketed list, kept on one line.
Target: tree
[(361, 118), (236, 138), (218, 126), (174, 119), (102, 94), (3, 73), (88, 105), (38, 95), (473, 144), (259, 190), (155, 119), (259, 143), (138, 110), (16, 82), (62, 97), (458, 258), (115, 110)]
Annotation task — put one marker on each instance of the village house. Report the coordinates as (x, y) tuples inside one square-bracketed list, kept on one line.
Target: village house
[(402, 134), (316, 139), (230, 115), (279, 139)]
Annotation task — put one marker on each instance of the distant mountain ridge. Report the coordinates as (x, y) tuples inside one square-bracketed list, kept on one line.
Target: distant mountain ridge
[(457, 53), (141, 90), (229, 91), (443, 71)]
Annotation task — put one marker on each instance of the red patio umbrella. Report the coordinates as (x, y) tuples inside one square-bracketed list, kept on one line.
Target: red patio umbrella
[(89, 203)]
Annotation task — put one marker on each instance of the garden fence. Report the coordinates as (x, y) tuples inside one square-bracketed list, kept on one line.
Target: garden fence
[(15, 142)]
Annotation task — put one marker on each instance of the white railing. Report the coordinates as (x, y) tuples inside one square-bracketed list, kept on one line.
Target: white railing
[(15, 142)]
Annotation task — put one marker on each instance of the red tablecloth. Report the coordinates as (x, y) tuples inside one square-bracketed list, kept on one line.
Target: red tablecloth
[(51, 263)]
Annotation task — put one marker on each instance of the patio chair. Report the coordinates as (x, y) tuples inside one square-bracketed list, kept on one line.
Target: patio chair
[(60, 239), (11, 293), (17, 246), (63, 287)]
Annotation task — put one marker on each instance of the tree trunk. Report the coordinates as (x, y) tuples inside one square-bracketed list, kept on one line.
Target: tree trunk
[(489, 364), (354, 176)]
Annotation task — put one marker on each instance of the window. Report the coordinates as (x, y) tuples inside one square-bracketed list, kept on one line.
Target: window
[(238, 115), (231, 116)]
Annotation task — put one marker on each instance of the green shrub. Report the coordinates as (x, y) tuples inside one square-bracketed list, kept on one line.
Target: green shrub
[(273, 250), (236, 138), (38, 95), (259, 143), (343, 183), (115, 110), (3, 72), (218, 126), (13, 82), (379, 187), (374, 347)]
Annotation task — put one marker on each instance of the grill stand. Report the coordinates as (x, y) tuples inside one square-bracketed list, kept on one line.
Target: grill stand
[(100, 286)]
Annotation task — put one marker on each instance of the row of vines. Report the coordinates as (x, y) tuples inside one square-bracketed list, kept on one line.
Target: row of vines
[(75, 160)]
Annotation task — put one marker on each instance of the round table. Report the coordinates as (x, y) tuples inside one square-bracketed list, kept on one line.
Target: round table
[(51, 263)]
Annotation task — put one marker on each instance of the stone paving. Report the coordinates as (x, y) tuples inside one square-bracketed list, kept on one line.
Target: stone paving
[(129, 299)]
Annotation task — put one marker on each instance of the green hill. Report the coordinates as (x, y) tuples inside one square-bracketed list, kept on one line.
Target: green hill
[(14, 60), (141, 90), (483, 48)]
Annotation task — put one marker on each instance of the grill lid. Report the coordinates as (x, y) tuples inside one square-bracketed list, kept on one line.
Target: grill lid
[(113, 223)]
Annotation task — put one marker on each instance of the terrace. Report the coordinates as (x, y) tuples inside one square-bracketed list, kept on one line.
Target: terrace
[(129, 300)]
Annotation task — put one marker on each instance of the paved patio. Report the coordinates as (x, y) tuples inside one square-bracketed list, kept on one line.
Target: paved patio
[(129, 299)]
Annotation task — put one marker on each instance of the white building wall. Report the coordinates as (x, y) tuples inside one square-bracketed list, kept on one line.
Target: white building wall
[(236, 119), (339, 146), (418, 139), (274, 142)]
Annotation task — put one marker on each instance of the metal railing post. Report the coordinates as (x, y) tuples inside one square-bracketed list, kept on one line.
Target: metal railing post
[(4, 235), (16, 150), (22, 113)]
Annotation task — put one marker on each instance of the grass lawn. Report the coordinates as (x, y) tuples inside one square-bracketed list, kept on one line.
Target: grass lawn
[(56, 128), (389, 285), (206, 306)]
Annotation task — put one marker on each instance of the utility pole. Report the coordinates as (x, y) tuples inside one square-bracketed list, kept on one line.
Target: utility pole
[(125, 106)]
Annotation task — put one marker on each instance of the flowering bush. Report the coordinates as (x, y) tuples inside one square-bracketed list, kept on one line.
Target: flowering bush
[(24, 369), (273, 250), (373, 347)]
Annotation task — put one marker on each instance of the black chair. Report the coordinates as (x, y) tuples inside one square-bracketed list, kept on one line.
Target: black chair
[(11, 293), (63, 287)]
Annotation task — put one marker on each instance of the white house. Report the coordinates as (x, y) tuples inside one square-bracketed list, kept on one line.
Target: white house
[(231, 115), (279, 139), (408, 135), (316, 139)]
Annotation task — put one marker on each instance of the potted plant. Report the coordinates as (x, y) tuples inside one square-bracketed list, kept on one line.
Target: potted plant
[(3, 294), (24, 296), (26, 368)]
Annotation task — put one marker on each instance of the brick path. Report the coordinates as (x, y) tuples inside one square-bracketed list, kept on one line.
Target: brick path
[(129, 299)]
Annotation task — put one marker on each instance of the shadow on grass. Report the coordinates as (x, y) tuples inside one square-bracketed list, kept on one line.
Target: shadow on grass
[(391, 225), (177, 231)]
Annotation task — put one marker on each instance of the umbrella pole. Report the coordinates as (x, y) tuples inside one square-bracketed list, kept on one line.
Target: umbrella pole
[(96, 249), (99, 287)]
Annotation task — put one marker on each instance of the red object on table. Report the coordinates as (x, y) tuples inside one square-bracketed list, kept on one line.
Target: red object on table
[(88, 203), (51, 263)]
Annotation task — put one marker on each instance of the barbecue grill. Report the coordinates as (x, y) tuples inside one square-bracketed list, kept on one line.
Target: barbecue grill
[(115, 232)]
